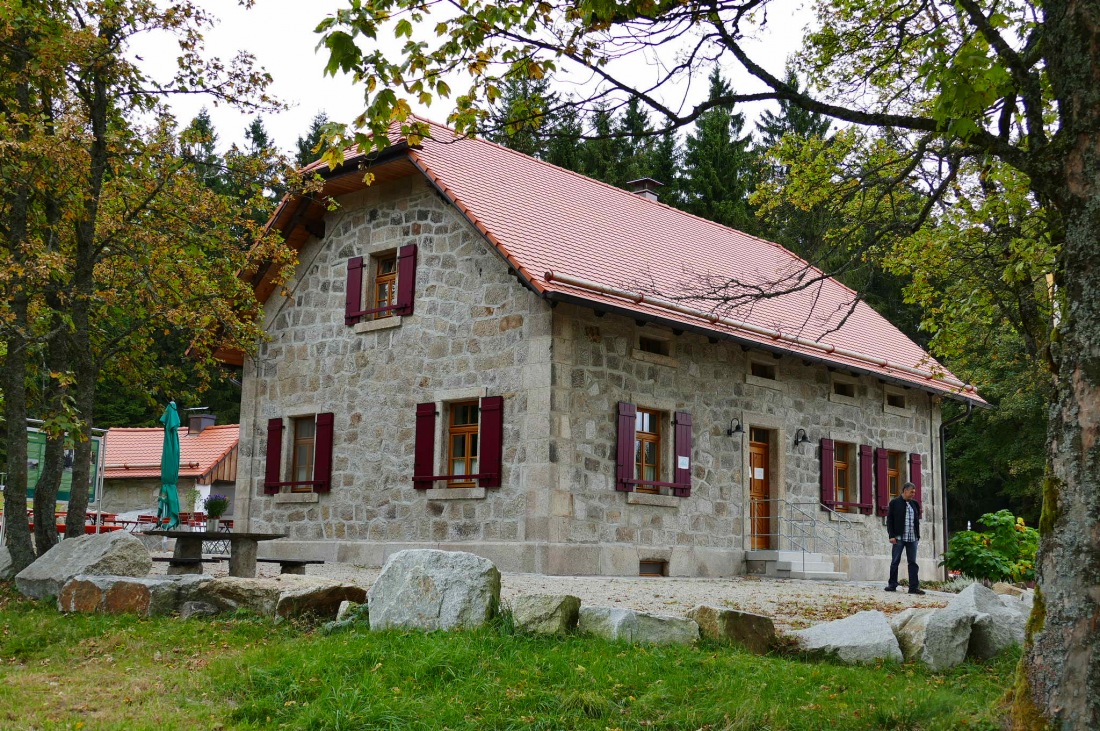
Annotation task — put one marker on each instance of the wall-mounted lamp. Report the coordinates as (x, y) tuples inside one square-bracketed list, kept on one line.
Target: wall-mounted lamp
[(800, 437), (735, 428)]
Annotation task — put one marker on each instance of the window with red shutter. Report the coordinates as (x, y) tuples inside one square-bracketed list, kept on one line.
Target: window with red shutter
[(624, 454), (828, 475), (882, 480), (322, 455), (273, 467), (406, 279), (492, 441), (682, 455), (866, 483), (915, 475), (353, 294), (424, 447)]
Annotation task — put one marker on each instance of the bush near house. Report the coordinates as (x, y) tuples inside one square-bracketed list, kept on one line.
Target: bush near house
[(1005, 552)]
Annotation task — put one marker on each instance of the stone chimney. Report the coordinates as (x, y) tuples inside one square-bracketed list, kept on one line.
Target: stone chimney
[(645, 187), (197, 422)]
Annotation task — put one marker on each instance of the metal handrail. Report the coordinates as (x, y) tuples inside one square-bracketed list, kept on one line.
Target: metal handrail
[(799, 527)]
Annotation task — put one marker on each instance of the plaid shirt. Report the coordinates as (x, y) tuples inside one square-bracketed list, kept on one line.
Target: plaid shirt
[(908, 536)]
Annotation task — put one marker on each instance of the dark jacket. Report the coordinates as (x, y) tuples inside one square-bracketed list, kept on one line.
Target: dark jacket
[(895, 518)]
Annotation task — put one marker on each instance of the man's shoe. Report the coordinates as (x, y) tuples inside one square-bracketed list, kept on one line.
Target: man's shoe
[(916, 591), (891, 588)]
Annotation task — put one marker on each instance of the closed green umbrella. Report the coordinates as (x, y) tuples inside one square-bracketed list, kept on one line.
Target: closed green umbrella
[(168, 505)]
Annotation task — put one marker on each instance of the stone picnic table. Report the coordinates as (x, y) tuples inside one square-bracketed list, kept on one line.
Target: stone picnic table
[(242, 548)]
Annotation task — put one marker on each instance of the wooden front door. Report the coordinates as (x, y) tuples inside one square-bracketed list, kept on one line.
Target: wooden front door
[(759, 490)]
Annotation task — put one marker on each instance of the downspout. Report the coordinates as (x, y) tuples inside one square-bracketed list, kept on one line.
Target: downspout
[(943, 464)]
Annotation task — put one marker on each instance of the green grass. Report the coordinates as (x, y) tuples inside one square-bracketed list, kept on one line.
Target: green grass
[(246, 673)]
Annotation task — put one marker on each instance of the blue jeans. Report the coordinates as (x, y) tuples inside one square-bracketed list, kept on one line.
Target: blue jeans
[(895, 560)]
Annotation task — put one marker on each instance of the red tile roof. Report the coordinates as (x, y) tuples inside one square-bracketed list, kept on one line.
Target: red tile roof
[(574, 238), (135, 453)]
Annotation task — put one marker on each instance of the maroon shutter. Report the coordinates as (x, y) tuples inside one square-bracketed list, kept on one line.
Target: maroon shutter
[(322, 454), (424, 450), (882, 480), (682, 476), (624, 455), (272, 473), (491, 440), (406, 279), (866, 484), (914, 475), (828, 473), (353, 295)]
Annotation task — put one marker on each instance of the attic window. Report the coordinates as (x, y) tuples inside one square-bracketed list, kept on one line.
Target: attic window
[(763, 370), (843, 388), (897, 400), (655, 346), (653, 567)]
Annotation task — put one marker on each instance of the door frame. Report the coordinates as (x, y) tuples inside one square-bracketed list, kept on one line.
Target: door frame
[(777, 463)]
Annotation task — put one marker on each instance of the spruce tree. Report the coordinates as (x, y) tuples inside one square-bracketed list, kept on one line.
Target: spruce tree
[(521, 118), (306, 145), (719, 172)]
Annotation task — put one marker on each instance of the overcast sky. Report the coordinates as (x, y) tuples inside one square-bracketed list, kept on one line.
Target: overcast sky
[(280, 34)]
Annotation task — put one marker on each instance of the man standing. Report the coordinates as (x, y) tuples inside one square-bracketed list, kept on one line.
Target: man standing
[(903, 527)]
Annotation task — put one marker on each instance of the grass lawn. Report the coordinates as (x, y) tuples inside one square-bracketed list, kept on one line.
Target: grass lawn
[(239, 672)]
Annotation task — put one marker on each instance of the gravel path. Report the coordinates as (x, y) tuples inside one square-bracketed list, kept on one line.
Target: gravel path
[(792, 603)]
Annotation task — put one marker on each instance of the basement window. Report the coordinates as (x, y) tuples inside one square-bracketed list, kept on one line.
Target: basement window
[(897, 400), (654, 346), (653, 567), (840, 388)]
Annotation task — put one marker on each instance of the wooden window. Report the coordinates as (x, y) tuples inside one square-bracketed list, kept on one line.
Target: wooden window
[(462, 442), (654, 345), (843, 388), (894, 461), (301, 465), (647, 448), (762, 370), (843, 481), (385, 284)]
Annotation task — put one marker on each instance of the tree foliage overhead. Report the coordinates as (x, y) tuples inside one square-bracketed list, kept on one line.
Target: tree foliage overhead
[(957, 100), (116, 230)]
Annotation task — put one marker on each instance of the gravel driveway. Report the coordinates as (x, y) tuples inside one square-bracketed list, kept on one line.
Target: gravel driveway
[(792, 603)]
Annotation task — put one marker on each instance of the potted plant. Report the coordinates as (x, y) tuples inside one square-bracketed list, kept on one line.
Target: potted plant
[(215, 506)]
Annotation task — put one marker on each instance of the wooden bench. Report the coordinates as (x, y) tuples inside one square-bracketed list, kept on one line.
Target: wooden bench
[(290, 565)]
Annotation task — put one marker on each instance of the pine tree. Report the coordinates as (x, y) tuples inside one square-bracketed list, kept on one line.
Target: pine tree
[(665, 167), (636, 135), (199, 144), (563, 145), (719, 171), (307, 145), (790, 119), (601, 155), (522, 116)]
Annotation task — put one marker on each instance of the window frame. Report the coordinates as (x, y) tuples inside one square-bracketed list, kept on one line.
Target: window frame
[(378, 278), (656, 438), (465, 430), (295, 442), (843, 467), (894, 476)]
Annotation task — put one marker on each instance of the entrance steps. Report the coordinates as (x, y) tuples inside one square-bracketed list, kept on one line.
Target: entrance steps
[(792, 565)]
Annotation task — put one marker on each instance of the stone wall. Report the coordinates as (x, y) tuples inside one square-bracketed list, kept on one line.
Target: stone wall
[(124, 496), (597, 363), (475, 332)]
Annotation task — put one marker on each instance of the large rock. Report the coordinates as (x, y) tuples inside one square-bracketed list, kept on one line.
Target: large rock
[(936, 637), (7, 568), (995, 628), (754, 632), (862, 638), (284, 595), (614, 623), (545, 614), (430, 590), (1007, 589), (146, 596), (105, 554)]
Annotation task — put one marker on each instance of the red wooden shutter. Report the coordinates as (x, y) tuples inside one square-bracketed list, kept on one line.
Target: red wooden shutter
[(914, 475), (491, 440), (866, 485), (882, 480), (273, 471), (624, 455), (828, 474), (406, 279), (322, 454), (424, 449), (682, 475), (353, 295)]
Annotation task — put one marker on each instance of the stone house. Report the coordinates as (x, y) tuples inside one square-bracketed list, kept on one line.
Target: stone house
[(481, 351), (131, 471)]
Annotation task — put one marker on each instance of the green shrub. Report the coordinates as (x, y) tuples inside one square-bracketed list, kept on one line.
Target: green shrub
[(1006, 552)]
